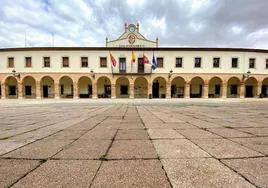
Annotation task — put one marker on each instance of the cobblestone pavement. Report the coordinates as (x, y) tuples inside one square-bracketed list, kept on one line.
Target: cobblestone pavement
[(134, 143)]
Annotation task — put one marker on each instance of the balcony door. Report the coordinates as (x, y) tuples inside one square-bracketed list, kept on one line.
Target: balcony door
[(122, 65), (140, 66)]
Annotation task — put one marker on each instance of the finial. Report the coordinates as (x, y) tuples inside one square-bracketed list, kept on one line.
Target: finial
[(138, 26), (125, 26), (106, 40), (156, 41)]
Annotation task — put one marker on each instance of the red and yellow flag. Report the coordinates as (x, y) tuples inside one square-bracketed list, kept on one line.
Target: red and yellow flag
[(112, 59), (133, 57), (145, 60)]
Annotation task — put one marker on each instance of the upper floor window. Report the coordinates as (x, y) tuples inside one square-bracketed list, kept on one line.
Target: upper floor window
[(160, 62), (28, 62), (84, 61), (178, 62), (46, 61), (122, 64), (65, 61), (197, 62), (234, 62), (10, 62), (252, 63), (266, 65), (103, 61), (216, 62)]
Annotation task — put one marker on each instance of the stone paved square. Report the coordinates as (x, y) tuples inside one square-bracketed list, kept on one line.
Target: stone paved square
[(134, 143)]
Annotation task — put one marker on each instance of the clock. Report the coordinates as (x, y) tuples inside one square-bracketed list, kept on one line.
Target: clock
[(132, 28)]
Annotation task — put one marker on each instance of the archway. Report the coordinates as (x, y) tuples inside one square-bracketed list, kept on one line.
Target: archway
[(159, 88), (196, 87), (66, 87), (140, 88), (177, 87), (11, 85), (47, 87), (122, 87), (104, 87), (251, 87), (29, 87), (85, 87), (215, 88), (233, 87), (264, 88)]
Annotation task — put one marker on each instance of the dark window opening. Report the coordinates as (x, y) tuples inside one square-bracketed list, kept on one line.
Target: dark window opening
[(160, 62), (46, 61), (84, 61), (122, 65), (179, 62), (251, 63), (28, 90), (233, 89), (197, 62), (65, 61), (123, 90), (103, 62), (12, 90), (234, 62), (216, 62)]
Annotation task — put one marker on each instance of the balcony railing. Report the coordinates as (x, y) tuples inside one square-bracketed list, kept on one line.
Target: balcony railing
[(147, 70)]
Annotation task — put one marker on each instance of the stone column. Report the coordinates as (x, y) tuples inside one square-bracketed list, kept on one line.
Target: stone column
[(3, 88), (168, 89), (113, 91), (187, 90), (76, 90), (150, 89), (19, 90), (242, 89), (94, 89), (131, 92), (224, 90), (205, 92), (38, 90), (259, 86), (57, 91)]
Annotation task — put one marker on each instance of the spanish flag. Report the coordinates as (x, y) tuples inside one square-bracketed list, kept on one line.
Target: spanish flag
[(133, 58), (112, 59)]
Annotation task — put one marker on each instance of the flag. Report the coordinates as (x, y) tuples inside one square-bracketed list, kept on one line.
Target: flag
[(154, 63), (112, 59), (133, 58), (145, 60)]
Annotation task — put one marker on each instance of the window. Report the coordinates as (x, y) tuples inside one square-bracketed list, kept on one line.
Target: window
[(252, 63), (160, 62), (197, 62), (178, 62), (84, 61), (216, 62), (10, 62), (235, 62), (266, 65), (46, 61), (65, 61), (103, 61), (28, 62), (122, 64)]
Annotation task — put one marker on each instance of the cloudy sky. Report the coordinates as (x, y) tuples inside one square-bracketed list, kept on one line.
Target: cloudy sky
[(203, 23)]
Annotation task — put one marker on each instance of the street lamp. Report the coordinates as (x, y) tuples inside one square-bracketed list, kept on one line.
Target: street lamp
[(246, 75), (170, 73), (92, 74), (15, 74)]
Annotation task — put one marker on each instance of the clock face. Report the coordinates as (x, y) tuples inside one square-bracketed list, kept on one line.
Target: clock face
[(131, 28)]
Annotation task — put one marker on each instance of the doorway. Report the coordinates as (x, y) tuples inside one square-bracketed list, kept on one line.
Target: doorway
[(45, 91), (140, 66), (155, 90), (28, 90), (107, 91), (249, 91)]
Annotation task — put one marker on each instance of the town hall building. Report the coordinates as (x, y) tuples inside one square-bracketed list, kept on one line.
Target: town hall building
[(90, 72)]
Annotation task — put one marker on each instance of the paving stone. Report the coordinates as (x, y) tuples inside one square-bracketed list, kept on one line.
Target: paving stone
[(99, 133), (223, 148), (164, 133), (12, 170), (131, 125), (84, 149), (254, 169), (131, 173), (180, 148), (55, 173), (256, 131), (230, 133), (132, 149), (132, 135), (197, 133), (202, 172)]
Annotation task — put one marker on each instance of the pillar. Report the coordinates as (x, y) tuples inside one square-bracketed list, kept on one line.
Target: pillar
[(76, 90), (242, 90), (113, 91), (150, 89), (187, 90), (205, 88), (57, 91), (131, 88), (94, 89), (20, 85), (38, 90), (3, 88), (259, 86), (168, 90), (224, 90)]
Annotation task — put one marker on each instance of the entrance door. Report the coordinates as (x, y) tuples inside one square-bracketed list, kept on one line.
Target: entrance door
[(217, 89), (140, 66), (249, 91), (107, 91), (156, 90), (45, 91), (200, 91), (28, 90)]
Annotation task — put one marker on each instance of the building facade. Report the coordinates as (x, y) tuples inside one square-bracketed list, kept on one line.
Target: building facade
[(87, 72)]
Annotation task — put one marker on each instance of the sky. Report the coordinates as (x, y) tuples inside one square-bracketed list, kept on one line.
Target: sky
[(180, 23)]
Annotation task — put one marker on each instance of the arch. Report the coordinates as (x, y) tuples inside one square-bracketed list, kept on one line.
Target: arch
[(47, 87), (215, 87), (264, 88), (233, 87), (251, 87), (11, 85), (196, 87), (85, 87), (122, 87), (159, 87), (66, 87), (140, 87), (28, 87), (177, 87), (104, 87)]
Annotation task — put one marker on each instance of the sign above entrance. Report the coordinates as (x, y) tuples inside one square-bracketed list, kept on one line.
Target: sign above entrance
[(132, 38)]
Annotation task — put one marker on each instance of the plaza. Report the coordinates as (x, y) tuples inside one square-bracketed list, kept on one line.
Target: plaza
[(134, 143)]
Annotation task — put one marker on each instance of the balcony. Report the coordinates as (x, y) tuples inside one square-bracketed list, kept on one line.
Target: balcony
[(146, 70)]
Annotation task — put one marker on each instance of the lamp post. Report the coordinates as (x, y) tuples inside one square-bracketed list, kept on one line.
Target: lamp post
[(92, 74), (246, 75), (15, 74), (170, 74)]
